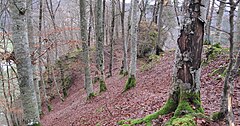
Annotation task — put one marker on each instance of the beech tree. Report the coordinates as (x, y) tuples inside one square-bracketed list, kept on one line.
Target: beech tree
[(87, 80), (184, 98), (219, 21), (32, 44), (124, 69), (131, 82), (100, 44), (23, 61)]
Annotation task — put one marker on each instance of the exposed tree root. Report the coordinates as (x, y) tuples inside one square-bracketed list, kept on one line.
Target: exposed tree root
[(170, 106), (185, 112)]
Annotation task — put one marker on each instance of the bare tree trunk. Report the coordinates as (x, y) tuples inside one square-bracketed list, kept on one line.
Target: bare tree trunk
[(40, 67), (160, 43), (226, 105), (143, 8), (208, 24), (87, 81), (124, 68), (236, 45), (90, 23), (24, 66), (131, 82), (32, 46), (112, 37), (7, 108), (219, 21), (100, 44)]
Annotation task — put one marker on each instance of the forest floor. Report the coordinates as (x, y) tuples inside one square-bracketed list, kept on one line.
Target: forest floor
[(150, 94)]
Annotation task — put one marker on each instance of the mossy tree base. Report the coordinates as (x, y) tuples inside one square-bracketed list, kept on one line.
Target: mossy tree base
[(91, 95), (103, 86), (185, 111), (131, 82), (124, 73), (169, 107)]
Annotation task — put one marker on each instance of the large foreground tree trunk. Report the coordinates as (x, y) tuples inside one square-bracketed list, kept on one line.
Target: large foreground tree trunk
[(184, 99), (23, 61)]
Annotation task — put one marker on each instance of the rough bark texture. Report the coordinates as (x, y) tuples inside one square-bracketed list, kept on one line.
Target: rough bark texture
[(134, 31), (23, 61), (100, 44), (219, 21), (87, 81)]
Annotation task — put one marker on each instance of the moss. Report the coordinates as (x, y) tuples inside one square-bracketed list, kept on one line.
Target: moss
[(124, 73), (183, 108), (217, 116), (187, 120), (91, 95), (170, 106), (102, 86), (131, 82), (49, 107)]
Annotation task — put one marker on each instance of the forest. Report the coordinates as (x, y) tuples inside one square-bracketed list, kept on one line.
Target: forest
[(119, 63)]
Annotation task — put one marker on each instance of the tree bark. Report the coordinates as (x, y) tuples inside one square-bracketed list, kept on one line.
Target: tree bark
[(32, 46), (87, 80), (159, 44), (124, 69), (131, 82), (112, 38), (236, 45), (100, 44), (208, 24), (24, 66), (220, 12)]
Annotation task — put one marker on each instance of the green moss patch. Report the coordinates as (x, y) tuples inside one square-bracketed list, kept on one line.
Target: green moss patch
[(170, 106), (131, 82), (103, 86), (217, 116)]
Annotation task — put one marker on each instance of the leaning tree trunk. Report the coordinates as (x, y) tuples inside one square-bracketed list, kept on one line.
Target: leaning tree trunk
[(87, 81), (23, 61), (219, 21), (131, 82), (100, 44)]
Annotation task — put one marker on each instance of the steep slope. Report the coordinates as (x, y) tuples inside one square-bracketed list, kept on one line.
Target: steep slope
[(148, 96)]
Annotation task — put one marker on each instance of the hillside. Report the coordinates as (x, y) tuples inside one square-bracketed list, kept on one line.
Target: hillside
[(151, 92)]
